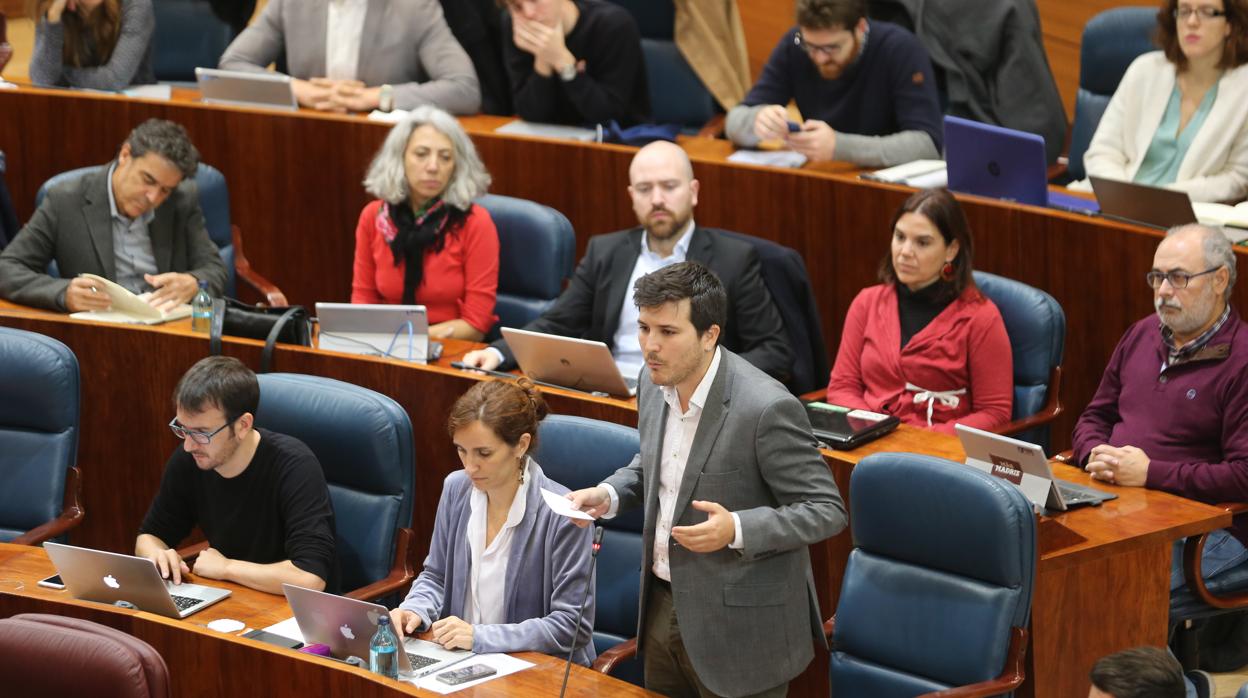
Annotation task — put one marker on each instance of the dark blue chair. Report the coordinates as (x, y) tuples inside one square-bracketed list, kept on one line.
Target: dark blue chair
[(937, 591), (1111, 40), (677, 94), (214, 199), (363, 440), (536, 252), (8, 216), (577, 452), (188, 36), (39, 397), (1037, 328)]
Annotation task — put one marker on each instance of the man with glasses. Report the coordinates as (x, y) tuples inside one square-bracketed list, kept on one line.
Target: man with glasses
[(865, 89), (259, 497)]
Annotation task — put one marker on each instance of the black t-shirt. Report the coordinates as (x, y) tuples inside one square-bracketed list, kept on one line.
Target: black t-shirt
[(277, 509), (612, 84)]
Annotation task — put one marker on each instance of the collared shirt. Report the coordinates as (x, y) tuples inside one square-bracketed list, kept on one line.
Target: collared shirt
[(1177, 356), (344, 28), (628, 354), (484, 598), (132, 245)]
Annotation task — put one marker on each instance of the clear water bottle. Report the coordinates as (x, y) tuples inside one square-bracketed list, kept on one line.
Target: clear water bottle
[(383, 650), (201, 309)]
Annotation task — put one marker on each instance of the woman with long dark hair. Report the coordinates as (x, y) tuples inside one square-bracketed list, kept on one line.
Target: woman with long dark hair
[(98, 44)]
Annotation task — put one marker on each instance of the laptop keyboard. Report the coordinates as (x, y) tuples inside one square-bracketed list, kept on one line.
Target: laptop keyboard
[(184, 602), (420, 661)]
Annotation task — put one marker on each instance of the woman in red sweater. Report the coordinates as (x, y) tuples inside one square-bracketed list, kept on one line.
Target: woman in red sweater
[(926, 345), (424, 241)]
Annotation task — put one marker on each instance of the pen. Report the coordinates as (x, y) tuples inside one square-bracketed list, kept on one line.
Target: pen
[(427, 672)]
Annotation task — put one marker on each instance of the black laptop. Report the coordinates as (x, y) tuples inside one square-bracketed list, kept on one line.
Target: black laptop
[(843, 428)]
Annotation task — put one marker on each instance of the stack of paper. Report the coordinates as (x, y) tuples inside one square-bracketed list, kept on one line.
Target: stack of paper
[(922, 174)]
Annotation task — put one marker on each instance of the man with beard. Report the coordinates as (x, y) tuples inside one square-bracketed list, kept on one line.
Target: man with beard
[(597, 304), (260, 497), (865, 89), (1170, 410)]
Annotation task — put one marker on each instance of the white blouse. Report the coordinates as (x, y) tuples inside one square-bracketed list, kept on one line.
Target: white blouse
[(484, 598)]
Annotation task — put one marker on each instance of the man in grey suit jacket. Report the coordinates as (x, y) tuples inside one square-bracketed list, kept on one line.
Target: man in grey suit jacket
[(733, 489), (361, 55), (135, 221)]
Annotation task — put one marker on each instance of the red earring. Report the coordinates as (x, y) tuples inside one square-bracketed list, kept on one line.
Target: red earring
[(946, 272)]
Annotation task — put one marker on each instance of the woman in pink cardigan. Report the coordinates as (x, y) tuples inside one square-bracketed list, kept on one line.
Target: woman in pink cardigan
[(926, 345)]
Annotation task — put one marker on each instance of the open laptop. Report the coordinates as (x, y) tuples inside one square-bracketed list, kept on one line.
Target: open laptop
[(97, 575), (842, 428), (580, 364), (1002, 163), (1141, 204), (347, 626), (1024, 465), (396, 331), (243, 89)]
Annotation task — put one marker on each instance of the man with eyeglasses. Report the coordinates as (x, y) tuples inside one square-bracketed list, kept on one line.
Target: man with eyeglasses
[(865, 89), (259, 497)]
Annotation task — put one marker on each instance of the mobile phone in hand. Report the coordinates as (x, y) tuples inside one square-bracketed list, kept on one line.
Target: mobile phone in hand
[(794, 127), (455, 677)]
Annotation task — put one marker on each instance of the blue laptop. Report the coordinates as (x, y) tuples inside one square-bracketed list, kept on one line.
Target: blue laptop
[(1002, 163)]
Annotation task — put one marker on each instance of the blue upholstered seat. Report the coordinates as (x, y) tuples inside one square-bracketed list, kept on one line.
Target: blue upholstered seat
[(363, 440), (577, 452), (536, 251), (39, 398), (937, 591), (677, 94), (188, 36)]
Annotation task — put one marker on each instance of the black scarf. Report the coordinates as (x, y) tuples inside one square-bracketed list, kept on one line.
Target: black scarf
[(416, 235)]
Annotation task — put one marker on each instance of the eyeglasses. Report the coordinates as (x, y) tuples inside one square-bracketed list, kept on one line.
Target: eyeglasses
[(200, 437), (811, 49), (1204, 13), (1178, 279)]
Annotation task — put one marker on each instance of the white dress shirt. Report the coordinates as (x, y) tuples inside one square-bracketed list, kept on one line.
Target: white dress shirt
[(628, 355), (344, 28), (484, 598)]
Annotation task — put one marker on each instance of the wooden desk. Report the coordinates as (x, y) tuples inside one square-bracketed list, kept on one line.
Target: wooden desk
[(206, 663)]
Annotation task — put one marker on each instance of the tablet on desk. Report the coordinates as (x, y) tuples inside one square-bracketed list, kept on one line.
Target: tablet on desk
[(843, 428), (242, 89)]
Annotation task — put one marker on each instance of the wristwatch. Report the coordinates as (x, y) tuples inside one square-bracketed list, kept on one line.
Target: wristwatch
[(385, 102), (568, 72)]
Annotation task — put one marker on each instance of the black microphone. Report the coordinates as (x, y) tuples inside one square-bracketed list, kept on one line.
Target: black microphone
[(576, 629)]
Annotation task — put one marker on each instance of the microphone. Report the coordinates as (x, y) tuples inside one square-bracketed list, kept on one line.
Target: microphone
[(576, 629)]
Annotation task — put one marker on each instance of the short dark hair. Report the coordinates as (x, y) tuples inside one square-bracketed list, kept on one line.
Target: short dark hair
[(1140, 672), (168, 140), (708, 302), (218, 381), (939, 207), (1234, 48), (510, 409), (830, 14)]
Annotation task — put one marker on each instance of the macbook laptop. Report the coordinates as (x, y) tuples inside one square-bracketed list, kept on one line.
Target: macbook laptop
[(1024, 465), (1141, 204), (243, 89), (96, 575), (579, 364), (1002, 163), (396, 331), (347, 626), (842, 428)]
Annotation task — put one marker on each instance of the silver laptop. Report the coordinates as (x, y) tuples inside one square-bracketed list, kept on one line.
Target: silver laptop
[(1156, 207), (243, 89), (580, 364), (396, 331), (96, 575), (347, 626), (1024, 465)]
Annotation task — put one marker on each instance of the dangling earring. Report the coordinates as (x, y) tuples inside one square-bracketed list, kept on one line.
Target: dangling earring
[(946, 272), (521, 471)]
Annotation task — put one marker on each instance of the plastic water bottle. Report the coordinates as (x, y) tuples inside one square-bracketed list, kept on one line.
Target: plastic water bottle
[(201, 309), (383, 650)]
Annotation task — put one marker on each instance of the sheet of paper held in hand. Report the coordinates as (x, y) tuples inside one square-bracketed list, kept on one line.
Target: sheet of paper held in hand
[(128, 307), (563, 506)]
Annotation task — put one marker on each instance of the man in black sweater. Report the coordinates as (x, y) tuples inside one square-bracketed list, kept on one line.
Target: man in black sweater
[(574, 62), (260, 497)]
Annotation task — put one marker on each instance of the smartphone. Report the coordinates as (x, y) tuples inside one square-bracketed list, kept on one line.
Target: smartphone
[(53, 582), (794, 127), (455, 677), (273, 639)]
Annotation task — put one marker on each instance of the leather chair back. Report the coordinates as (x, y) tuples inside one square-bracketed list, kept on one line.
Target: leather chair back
[(47, 655), (536, 250), (39, 393), (942, 569), (1037, 328), (8, 215), (1111, 40), (188, 36), (677, 94), (577, 452), (363, 440)]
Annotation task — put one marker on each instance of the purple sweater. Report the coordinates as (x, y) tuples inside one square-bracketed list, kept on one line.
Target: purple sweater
[(1188, 419)]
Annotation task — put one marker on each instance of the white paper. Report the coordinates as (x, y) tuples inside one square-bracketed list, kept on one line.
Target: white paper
[(389, 117), (563, 506), (528, 128), (288, 628), (163, 91), (769, 158), (503, 665), (907, 172)]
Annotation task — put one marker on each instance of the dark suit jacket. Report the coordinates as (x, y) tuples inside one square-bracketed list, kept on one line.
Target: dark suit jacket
[(589, 307), (73, 226)]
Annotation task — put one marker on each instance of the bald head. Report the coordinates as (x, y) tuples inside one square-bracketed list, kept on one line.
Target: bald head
[(661, 154), (664, 192)]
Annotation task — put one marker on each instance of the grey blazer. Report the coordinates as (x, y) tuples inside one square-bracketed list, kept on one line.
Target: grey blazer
[(747, 617), (405, 43), (73, 226)]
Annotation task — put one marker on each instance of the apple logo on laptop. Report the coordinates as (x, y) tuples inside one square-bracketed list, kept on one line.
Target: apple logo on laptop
[(346, 632), (373, 616), (111, 582)]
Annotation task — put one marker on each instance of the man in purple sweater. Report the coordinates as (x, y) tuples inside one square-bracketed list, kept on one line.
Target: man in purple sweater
[(1169, 412)]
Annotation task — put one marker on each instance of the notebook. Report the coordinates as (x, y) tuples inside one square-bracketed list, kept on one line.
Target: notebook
[(244, 89), (127, 307), (579, 364), (843, 428), (97, 575), (1025, 466)]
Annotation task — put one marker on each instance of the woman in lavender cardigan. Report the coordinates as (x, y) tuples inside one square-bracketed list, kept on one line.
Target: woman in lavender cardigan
[(504, 572)]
